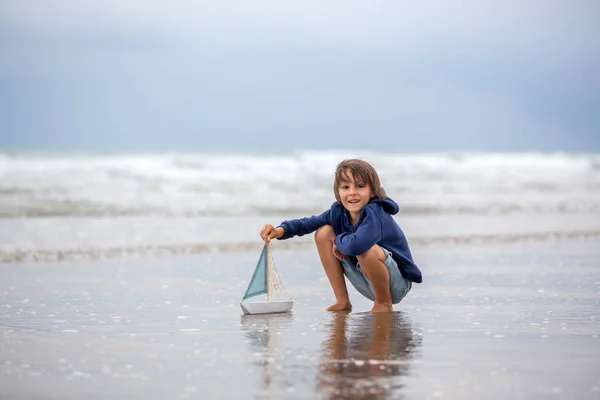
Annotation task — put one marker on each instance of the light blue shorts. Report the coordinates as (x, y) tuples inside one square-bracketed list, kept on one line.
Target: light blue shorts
[(399, 286)]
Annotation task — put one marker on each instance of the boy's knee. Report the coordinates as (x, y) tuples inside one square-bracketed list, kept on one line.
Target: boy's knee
[(374, 253), (324, 233)]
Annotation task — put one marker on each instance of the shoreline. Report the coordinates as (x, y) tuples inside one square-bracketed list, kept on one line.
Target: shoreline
[(162, 250)]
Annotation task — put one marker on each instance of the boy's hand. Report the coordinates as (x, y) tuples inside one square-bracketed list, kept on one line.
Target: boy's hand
[(269, 232), (337, 254)]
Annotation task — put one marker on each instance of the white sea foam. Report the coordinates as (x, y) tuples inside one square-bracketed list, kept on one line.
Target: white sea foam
[(265, 184)]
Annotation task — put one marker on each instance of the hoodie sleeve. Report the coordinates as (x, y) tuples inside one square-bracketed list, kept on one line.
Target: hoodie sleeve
[(304, 226), (368, 233)]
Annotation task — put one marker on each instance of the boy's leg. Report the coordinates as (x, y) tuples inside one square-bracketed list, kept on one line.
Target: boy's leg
[(324, 238), (372, 265)]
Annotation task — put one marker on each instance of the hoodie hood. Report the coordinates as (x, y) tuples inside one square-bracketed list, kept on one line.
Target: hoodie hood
[(389, 205)]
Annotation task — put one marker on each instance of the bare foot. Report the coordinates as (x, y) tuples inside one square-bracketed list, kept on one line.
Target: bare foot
[(339, 306), (381, 307)]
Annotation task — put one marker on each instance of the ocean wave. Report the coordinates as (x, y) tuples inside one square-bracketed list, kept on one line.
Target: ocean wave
[(71, 208), (295, 183), (53, 209), (91, 253)]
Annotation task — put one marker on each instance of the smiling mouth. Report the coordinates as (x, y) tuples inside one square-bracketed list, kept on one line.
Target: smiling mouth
[(353, 201)]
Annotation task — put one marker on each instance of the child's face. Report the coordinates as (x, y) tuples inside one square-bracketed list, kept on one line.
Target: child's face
[(354, 195)]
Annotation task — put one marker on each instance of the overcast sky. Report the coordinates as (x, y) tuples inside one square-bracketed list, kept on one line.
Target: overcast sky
[(279, 75)]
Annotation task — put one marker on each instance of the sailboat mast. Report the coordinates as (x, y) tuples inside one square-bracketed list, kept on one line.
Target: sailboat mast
[(268, 271)]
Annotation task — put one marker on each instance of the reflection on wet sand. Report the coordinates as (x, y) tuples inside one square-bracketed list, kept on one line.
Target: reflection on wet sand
[(363, 356), (260, 330), (366, 355), (261, 327)]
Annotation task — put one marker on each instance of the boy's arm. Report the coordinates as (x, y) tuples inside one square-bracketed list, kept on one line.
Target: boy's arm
[(368, 233), (303, 226)]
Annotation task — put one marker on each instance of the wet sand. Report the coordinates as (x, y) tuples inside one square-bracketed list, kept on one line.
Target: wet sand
[(494, 321)]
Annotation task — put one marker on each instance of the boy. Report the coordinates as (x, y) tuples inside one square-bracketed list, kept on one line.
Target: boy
[(358, 237)]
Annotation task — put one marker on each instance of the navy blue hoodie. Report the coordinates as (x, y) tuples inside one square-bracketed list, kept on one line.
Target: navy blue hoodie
[(375, 226)]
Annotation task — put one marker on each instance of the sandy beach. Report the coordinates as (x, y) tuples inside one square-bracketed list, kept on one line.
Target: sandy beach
[(494, 321)]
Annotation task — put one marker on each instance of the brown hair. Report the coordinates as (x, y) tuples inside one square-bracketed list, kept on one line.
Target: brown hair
[(363, 172)]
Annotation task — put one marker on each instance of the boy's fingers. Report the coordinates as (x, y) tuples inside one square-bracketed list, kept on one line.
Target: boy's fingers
[(338, 255), (268, 232), (264, 232)]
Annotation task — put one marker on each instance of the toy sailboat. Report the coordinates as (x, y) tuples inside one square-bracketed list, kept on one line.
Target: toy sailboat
[(265, 280)]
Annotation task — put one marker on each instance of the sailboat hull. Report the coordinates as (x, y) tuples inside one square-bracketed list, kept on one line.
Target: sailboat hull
[(267, 307)]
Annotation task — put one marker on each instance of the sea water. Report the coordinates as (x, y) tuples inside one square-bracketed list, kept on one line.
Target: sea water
[(96, 205)]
